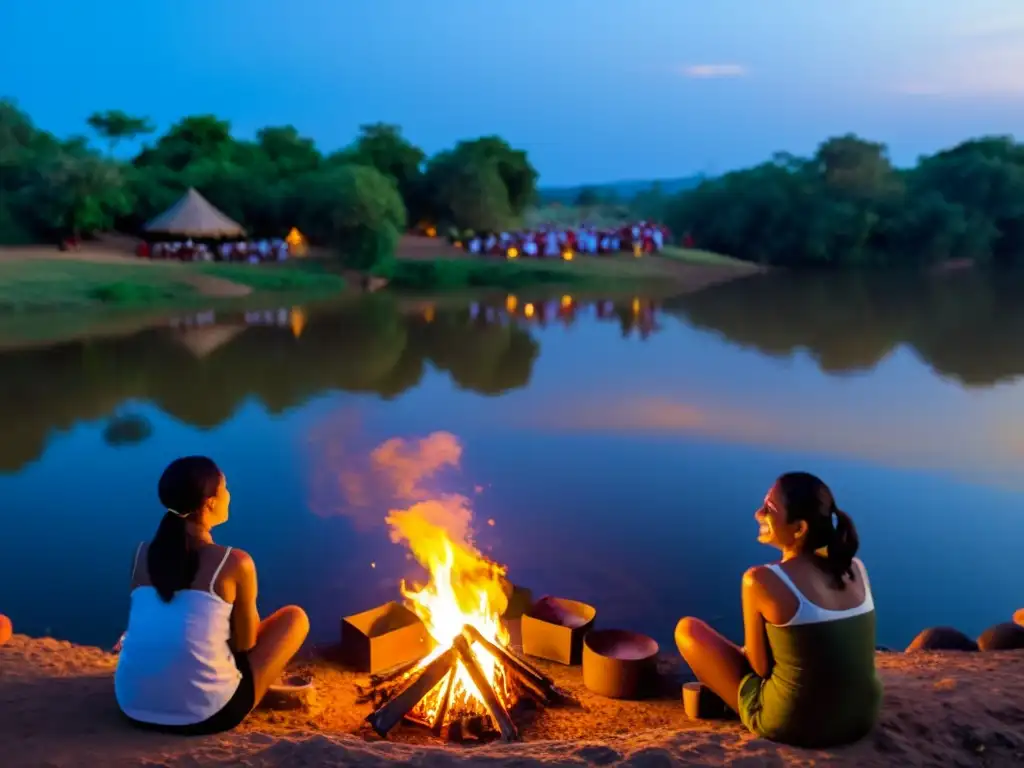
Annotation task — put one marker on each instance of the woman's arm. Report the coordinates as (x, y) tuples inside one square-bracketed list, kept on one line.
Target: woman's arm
[(245, 618), (755, 639)]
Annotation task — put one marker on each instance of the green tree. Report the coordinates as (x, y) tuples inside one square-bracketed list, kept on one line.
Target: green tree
[(468, 191), (356, 210), (115, 125), (587, 197)]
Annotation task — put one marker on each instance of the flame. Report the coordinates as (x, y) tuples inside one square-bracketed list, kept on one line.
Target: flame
[(511, 303), (513, 253), (567, 255), (528, 310), (463, 587)]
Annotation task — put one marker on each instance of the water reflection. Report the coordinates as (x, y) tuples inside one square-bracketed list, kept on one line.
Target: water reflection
[(201, 367), (966, 326)]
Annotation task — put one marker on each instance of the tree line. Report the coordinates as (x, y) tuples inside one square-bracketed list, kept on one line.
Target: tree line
[(356, 200), (848, 205)]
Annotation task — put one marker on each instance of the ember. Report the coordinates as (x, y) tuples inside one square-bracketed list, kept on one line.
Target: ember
[(470, 675)]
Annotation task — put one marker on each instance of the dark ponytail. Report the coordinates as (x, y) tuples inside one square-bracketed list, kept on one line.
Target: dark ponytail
[(173, 556), (807, 498)]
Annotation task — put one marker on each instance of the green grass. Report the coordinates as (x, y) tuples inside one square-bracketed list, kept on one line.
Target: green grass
[(694, 256), (44, 284), (59, 285), (304, 275)]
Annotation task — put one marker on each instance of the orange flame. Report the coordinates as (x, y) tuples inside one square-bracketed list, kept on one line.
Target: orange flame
[(463, 586)]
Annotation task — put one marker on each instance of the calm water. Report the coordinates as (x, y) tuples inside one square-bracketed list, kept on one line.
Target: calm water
[(620, 459)]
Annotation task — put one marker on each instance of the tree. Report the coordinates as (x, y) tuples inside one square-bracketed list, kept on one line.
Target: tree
[(354, 209), (382, 146), (468, 191), (587, 197), (290, 153), (115, 125)]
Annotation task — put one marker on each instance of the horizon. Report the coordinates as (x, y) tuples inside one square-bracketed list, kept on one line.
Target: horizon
[(607, 94)]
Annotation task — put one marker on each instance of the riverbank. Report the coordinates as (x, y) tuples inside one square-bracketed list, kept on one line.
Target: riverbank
[(57, 708)]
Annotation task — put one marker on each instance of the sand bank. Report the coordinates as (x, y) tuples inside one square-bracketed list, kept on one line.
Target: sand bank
[(949, 709)]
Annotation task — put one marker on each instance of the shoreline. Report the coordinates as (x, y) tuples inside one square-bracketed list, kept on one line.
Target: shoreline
[(941, 708)]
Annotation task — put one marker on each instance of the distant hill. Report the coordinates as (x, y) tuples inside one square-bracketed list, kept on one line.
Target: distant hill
[(624, 190)]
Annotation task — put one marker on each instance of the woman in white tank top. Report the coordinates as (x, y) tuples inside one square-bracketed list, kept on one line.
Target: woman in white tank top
[(196, 658)]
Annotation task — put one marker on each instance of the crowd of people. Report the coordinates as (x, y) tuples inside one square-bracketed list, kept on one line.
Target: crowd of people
[(251, 251), (637, 238)]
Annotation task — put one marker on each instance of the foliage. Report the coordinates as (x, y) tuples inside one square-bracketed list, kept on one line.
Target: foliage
[(848, 206), (356, 210), (114, 125), (346, 200)]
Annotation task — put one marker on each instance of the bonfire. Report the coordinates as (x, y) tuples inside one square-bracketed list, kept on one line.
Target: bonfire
[(470, 676)]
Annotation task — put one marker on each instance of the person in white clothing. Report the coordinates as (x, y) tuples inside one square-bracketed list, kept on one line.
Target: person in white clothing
[(196, 659)]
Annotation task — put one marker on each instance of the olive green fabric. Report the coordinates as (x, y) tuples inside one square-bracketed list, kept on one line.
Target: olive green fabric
[(823, 690)]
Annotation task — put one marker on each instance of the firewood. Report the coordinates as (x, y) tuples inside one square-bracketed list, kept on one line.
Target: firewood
[(442, 708), (389, 715), (495, 708), (541, 686), (383, 678)]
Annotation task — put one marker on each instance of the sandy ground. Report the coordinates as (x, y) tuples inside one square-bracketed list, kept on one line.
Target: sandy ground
[(941, 709)]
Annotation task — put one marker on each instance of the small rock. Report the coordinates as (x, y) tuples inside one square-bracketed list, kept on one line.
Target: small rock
[(942, 639), (1002, 637)]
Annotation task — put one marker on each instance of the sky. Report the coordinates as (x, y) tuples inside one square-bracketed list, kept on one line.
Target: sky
[(594, 90)]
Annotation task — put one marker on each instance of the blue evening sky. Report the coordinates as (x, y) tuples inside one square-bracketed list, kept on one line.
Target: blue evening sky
[(595, 90)]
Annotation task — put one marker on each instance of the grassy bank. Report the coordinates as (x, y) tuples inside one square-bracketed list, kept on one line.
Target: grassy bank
[(675, 268), (59, 284)]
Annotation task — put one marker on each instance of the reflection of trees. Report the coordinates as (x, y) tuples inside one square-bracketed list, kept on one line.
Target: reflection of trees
[(127, 429), (965, 326), (365, 346)]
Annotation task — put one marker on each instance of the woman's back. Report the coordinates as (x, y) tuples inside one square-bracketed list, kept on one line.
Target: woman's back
[(176, 666), (823, 687)]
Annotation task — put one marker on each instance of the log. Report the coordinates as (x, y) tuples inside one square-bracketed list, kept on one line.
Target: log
[(442, 709), (536, 683), (495, 708), (383, 678), (388, 716)]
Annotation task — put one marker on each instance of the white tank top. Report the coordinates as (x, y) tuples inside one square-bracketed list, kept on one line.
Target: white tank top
[(175, 666)]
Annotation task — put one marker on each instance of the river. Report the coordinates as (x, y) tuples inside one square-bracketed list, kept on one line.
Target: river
[(612, 454)]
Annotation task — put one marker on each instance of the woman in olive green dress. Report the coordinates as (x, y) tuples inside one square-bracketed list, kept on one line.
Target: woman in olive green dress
[(806, 674)]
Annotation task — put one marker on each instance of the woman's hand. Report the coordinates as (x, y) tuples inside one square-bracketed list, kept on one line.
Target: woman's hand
[(755, 645)]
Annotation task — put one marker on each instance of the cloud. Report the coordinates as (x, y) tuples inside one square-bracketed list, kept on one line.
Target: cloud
[(708, 71)]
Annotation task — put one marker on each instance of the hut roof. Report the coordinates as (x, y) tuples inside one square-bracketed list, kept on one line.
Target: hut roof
[(194, 216)]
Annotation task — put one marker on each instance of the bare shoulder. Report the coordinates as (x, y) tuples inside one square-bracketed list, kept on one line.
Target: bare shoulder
[(240, 563), (757, 576)]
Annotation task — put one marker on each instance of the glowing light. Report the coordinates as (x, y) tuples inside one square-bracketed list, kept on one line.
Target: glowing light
[(636, 306), (567, 255), (428, 313), (528, 310), (637, 251), (297, 321), (513, 253), (463, 588), (431, 231), (566, 302), (511, 303)]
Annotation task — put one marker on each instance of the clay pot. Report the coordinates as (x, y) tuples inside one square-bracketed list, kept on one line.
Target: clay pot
[(942, 639), (1018, 617), (619, 664), (1002, 637), (6, 629)]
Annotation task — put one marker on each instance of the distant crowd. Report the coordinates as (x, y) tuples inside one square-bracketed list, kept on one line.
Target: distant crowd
[(252, 251), (637, 238)]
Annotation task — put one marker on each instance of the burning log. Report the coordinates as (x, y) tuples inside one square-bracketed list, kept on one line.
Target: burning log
[(495, 708), (442, 708), (535, 682), (383, 678), (389, 715)]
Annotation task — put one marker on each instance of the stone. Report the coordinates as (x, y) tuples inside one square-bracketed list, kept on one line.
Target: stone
[(1002, 637), (942, 639)]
